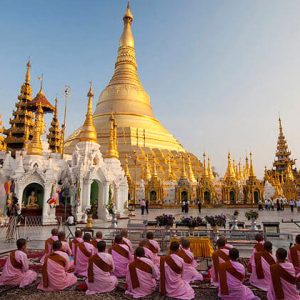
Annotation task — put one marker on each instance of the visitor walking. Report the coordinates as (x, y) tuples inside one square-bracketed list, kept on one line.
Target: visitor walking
[(292, 204), (277, 204), (183, 206), (143, 205), (298, 205), (199, 205), (281, 204), (147, 206)]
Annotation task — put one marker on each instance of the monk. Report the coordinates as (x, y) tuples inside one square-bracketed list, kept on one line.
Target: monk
[(126, 241), (260, 276), (294, 255), (78, 239), (171, 281), (189, 264), (16, 269), (219, 256), (141, 275), (83, 252), (49, 242), (231, 276), (154, 247), (259, 246), (56, 270), (96, 240), (100, 272), (148, 253), (121, 256), (283, 279), (65, 247)]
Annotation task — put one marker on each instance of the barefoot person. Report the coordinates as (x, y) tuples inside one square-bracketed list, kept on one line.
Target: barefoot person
[(16, 269), (141, 275), (259, 246), (283, 279), (294, 255), (231, 276), (171, 282), (100, 272), (260, 276), (121, 256), (126, 241), (65, 247), (153, 245), (96, 240), (219, 256), (189, 264), (56, 270), (83, 252), (78, 239)]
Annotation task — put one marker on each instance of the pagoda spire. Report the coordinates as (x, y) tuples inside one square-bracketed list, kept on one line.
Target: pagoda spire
[(205, 171), (246, 168), (282, 153), (170, 173), (2, 141), (126, 169), (88, 132), (230, 170), (21, 125), (54, 136), (148, 173), (35, 146), (251, 170), (154, 175), (191, 173), (112, 150), (210, 171), (183, 170)]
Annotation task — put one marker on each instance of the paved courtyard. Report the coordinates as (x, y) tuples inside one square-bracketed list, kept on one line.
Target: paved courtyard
[(37, 235)]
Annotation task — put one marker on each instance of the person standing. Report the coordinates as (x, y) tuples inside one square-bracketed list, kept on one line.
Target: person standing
[(277, 204), (260, 206), (147, 206), (183, 206), (292, 204), (199, 205), (143, 204)]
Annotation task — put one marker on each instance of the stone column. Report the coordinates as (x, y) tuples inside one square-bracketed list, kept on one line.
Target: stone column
[(48, 213)]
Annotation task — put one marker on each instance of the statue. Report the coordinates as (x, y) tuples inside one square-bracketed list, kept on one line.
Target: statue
[(32, 200)]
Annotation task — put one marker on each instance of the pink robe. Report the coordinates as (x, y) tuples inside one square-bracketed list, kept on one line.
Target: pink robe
[(104, 282), (65, 247), (235, 287), (289, 290), (121, 262), (251, 260), (212, 270), (49, 248), (82, 261), (80, 240), (97, 241), (128, 243), (264, 283), (157, 247), (17, 277), (176, 287), (58, 276), (147, 281), (297, 269), (189, 270)]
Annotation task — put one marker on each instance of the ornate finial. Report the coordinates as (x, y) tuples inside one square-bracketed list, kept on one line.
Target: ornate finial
[(191, 173), (183, 174), (112, 150), (41, 79), (209, 170), (230, 171), (205, 172), (148, 173), (54, 136), (91, 93), (88, 131), (251, 172), (127, 37), (126, 169), (27, 76), (35, 146)]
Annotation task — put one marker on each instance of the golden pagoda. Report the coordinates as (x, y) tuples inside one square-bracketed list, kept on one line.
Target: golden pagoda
[(230, 187), (54, 136), (253, 189), (2, 141), (138, 130), (22, 123), (35, 145), (112, 150), (206, 190)]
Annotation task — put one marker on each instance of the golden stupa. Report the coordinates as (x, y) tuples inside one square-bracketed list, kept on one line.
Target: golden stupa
[(139, 133)]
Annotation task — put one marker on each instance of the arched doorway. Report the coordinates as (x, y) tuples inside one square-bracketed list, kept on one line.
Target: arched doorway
[(153, 196), (232, 197), (33, 196), (256, 197), (94, 197), (207, 197), (184, 196)]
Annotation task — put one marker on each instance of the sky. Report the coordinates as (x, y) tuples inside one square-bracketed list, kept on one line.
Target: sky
[(219, 73)]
